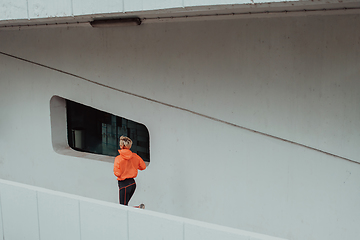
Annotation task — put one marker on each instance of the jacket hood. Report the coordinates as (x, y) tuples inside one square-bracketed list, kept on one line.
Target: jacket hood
[(126, 154)]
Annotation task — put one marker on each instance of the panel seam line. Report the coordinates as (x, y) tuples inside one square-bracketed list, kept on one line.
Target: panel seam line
[(2, 219), (38, 213), (180, 108)]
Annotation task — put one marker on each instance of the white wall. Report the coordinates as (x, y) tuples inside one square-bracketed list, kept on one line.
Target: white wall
[(50, 11), (294, 78), (52, 215)]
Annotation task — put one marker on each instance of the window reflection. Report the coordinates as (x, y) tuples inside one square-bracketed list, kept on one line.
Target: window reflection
[(94, 131)]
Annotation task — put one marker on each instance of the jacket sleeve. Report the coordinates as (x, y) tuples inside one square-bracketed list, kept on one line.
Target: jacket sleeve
[(117, 167), (142, 165)]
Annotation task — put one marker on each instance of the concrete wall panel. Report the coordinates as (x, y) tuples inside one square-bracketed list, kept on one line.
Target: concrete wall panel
[(19, 212), (150, 225), (94, 7), (14, 9), (188, 3), (162, 4), (110, 222), (198, 230), (58, 217), (47, 9), (140, 5), (130, 6)]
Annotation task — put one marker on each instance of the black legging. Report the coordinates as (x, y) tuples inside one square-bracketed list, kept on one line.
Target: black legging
[(126, 190)]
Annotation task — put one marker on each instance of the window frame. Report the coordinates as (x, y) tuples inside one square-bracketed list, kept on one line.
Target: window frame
[(59, 132)]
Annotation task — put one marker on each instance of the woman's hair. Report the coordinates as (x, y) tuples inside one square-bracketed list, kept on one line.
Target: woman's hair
[(125, 142)]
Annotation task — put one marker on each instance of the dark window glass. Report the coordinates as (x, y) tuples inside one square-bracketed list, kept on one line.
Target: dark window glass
[(94, 131)]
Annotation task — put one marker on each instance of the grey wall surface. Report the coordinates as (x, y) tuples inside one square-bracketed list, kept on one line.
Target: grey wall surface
[(293, 78)]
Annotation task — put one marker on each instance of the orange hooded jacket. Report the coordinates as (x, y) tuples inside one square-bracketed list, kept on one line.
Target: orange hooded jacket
[(126, 164)]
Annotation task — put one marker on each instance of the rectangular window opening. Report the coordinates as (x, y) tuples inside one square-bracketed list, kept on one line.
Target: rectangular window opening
[(98, 132), (93, 131)]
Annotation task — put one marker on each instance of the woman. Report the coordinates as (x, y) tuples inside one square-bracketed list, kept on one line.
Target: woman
[(126, 167)]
